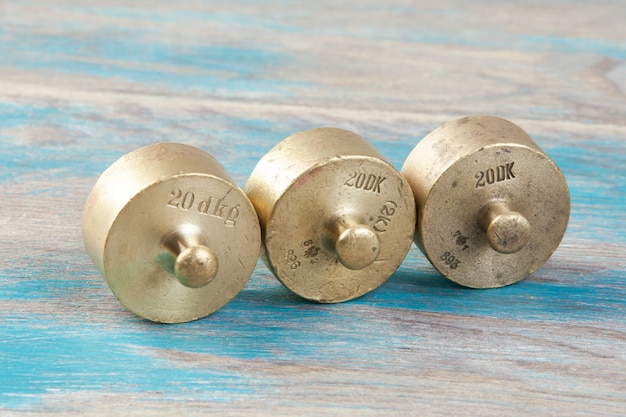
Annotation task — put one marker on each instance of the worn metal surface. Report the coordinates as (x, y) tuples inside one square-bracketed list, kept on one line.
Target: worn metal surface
[(82, 83), (171, 233), (492, 207), (337, 218)]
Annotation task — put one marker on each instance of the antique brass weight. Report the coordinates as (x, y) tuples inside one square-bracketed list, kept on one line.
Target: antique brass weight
[(492, 207), (171, 233), (337, 219)]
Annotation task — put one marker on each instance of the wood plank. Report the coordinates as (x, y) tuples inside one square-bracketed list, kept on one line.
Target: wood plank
[(83, 83)]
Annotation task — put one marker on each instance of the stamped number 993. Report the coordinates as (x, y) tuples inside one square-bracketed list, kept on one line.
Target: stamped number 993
[(450, 260)]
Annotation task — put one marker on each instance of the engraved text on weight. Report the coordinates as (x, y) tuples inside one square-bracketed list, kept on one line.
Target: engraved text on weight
[(493, 175), (209, 206), (384, 216), (365, 181)]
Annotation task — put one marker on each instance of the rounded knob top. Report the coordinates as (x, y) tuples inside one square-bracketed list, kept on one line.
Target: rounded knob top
[(145, 225), (491, 206), (337, 218), (508, 232), (357, 247), (196, 266)]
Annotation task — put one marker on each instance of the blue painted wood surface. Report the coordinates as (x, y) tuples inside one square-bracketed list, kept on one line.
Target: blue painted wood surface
[(83, 83)]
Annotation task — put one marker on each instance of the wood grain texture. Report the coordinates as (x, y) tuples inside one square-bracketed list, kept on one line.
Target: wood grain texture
[(82, 83)]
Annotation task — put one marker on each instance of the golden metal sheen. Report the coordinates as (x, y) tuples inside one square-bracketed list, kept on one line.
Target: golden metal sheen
[(492, 207), (337, 218), (171, 233)]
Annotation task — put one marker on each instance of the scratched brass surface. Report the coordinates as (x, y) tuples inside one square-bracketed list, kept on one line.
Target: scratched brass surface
[(171, 233), (337, 218), (492, 207), (83, 83)]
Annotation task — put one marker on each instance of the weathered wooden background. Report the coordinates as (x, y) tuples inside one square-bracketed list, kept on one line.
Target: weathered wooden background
[(82, 83)]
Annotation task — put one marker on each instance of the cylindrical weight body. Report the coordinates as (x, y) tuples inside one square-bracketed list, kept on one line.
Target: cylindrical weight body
[(492, 207), (171, 233), (337, 219)]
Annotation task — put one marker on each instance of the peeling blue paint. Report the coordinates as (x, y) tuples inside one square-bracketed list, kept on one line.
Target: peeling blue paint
[(51, 340), (535, 299), (214, 70), (79, 358)]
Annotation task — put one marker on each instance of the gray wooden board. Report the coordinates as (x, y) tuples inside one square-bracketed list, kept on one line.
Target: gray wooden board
[(82, 83)]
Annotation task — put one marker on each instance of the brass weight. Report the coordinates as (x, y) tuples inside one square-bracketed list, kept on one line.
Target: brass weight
[(337, 218), (492, 207), (171, 233)]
